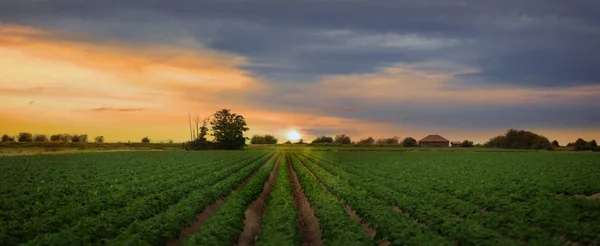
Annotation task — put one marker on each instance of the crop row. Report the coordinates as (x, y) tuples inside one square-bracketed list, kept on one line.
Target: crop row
[(337, 227), (107, 220), (280, 225), (397, 229), (82, 218), (541, 218), (225, 226)]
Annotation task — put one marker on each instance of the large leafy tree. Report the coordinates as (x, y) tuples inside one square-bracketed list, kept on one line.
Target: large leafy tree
[(228, 129)]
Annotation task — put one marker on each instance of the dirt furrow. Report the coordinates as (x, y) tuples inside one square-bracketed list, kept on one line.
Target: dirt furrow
[(309, 224), (256, 210), (365, 225), (203, 216)]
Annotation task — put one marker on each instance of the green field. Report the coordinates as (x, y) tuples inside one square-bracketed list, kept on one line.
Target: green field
[(348, 196)]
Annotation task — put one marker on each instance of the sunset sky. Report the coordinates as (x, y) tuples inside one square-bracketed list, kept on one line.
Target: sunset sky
[(463, 69)]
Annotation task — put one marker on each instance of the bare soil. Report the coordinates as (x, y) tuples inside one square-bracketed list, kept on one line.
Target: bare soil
[(202, 217), (592, 197), (256, 210), (309, 224), (365, 226)]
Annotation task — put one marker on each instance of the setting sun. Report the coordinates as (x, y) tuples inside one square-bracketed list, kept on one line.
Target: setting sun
[(293, 136)]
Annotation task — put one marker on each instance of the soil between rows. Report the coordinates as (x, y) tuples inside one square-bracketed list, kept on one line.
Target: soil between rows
[(308, 222), (364, 225), (203, 216), (256, 210)]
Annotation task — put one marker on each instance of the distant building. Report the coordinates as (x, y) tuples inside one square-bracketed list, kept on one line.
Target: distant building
[(455, 144), (434, 141)]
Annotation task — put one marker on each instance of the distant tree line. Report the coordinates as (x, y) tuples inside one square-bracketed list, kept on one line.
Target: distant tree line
[(26, 137), (519, 139), (580, 145), (263, 139)]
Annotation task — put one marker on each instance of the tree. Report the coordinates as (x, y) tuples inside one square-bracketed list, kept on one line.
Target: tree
[(63, 137), (301, 141), (342, 139), (392, 140), (466, 144), (323, 139), (25, 137), (555, 143), (519, 139), (40, 138), (366, 141), (288, 142), (228, 129), (99, 139), (409, 142), (6, 138), (593, 143), (83, 138), (266, 139), (146, 140)]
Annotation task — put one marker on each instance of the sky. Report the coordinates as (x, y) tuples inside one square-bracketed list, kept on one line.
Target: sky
[(463, 69)]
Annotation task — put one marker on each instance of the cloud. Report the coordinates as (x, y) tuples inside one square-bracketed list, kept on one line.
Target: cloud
[(113, 109)]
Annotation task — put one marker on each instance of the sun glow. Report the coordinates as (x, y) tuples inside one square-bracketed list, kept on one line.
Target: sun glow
[(293, 136)]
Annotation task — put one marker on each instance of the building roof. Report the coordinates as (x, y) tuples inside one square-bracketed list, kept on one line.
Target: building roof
[(434, 138)]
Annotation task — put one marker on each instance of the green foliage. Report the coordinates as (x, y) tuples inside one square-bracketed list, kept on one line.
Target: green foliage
[(342, 139), (323, 139), (263, 139), (466, 144), (367, 141), (279, 224), (409, 142), (145, 140), (224, 228), (228, 129), (519, 139), (581, 144), (338, 228), (25, 137), (555, 144), (301, 141)]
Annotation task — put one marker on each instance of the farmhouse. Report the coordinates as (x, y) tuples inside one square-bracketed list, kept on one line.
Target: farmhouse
[(434, 141)]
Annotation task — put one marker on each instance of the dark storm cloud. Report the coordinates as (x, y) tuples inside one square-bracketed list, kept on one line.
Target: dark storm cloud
[(536, 43)]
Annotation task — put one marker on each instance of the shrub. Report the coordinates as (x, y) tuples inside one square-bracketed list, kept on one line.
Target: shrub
[(519, 139), (409, 142), (466, 144), (323, 139), (392, 140), (6, 138), (263, 139), (145, 140), (368, 140), (25, 137), (342, 139), (40, 138), (99, 139)]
